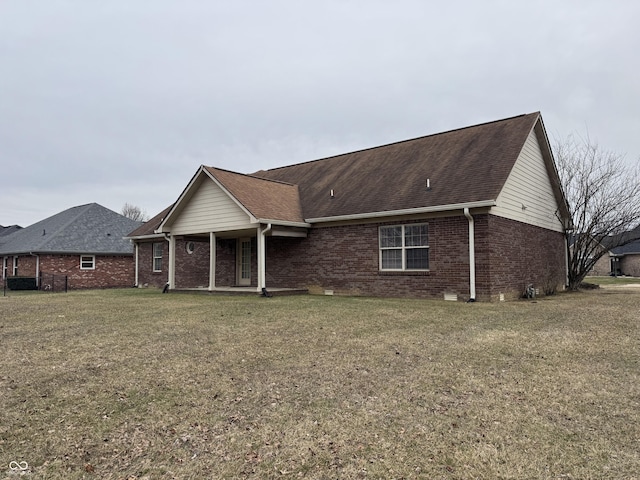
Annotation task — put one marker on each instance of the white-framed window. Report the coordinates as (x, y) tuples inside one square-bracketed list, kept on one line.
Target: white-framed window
[(157, 256), (404, 247), (4, 267), (87, 262), (15, 266)]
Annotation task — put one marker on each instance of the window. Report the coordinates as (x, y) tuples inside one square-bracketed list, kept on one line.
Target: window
[(87, 262), (15, 266), (4, 267), (404, 247), (157, 257)]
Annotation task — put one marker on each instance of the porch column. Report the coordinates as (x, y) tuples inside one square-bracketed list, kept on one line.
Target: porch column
[(212, 261), (261, 260), (135, 282), (172, 262), (262, 257)]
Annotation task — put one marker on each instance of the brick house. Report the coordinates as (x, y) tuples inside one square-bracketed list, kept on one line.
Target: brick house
[(84, 243), (473, 213)]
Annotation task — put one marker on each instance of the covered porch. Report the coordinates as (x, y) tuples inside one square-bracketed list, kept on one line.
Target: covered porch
[(218, 229), (228, 262)]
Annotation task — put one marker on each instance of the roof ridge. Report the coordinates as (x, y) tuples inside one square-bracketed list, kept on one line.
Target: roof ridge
[(253, 175), (403, 141), (82, 209)]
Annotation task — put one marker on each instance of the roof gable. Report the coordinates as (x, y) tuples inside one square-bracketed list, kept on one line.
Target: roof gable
[(463, 166), (264, 199), (89, 228)]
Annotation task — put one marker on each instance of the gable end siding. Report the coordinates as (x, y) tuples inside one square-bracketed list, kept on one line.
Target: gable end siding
[(527, 195), (209, 209)]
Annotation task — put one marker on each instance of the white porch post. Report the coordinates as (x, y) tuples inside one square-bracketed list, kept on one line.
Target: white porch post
[(212, 261), (136, 263), (261, 260), (172, 262)]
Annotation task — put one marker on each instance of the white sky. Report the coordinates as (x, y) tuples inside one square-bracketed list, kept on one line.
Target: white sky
[(122, 100)]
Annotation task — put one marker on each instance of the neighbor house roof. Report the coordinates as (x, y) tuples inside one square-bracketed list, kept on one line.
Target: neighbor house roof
[(90, 229), (4, 231), (464, 167)]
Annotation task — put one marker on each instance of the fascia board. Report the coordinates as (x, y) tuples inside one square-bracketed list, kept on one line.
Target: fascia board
[(284, 223), (407, 211), (145, 237)]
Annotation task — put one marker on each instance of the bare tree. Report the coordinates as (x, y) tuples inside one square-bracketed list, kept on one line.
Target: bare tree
[(134, 213), (603, 196)]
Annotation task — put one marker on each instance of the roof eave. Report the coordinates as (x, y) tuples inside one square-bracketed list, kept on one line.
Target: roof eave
[(407, 211), (284, 223)]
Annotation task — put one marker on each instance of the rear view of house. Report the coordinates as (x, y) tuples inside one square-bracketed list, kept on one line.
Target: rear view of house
[(84, 244), (475, 213)]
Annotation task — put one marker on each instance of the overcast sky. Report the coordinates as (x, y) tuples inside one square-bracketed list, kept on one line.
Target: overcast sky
[(122, 100)]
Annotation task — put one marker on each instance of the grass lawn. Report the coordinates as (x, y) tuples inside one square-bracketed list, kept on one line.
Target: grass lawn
[(134, 384), (609, 281)]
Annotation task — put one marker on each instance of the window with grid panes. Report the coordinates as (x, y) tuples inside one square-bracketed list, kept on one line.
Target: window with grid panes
[(404, 247)]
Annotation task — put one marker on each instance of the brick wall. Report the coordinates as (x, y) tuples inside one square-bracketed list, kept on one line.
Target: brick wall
[(630, 265), (345, 259), (192, 270), (510, 255), (110, 271), (146, 276)]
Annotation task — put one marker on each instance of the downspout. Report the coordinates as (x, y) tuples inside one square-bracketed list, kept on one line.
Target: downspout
[(37, 267), (472, 257)]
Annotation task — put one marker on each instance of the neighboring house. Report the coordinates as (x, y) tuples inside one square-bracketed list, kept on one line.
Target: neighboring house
[(84, 243), (620, 260), (474, 213), (4, 231), (625, 260)]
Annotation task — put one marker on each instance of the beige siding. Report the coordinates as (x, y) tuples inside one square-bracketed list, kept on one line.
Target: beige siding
[(527, 195), (209, 209)]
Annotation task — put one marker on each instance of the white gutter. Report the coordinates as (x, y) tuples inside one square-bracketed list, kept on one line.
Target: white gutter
[(283, 223), (406, 211), (472, 257)]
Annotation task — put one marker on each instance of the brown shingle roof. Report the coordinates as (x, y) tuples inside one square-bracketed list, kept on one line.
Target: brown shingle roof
[(465, 165), (265, 199), (151, 225)]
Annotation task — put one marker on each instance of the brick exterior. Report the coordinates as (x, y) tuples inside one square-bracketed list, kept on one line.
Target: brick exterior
[(146, 276), (345, 259), (630, 265), (510, 255), (109, 271)]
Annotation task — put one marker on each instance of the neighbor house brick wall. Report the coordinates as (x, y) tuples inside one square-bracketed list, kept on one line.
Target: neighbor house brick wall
[(110, 271), (602, 266), (630, 265)]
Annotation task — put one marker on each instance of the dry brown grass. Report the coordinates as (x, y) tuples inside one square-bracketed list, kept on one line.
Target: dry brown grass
[(133, 384)]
